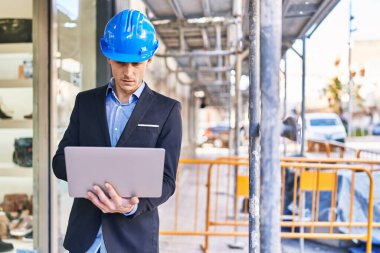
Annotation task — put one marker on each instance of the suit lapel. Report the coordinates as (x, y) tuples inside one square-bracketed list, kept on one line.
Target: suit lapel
[(138, 113), (102, 117)]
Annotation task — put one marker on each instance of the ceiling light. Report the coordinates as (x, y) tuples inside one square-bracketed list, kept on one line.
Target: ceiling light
[(199, 93), (69, 25)]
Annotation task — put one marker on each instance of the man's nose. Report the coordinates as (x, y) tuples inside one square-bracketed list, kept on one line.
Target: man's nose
[(128, 69)]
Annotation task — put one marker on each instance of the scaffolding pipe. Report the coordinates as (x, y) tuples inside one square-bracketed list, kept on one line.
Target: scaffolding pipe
[(351, 94), (302, 153), (229, 108), (237, 11), (238, 71), (270, 176), (285, 96), (206, 41), (205, 69), (285, 72), (230, 134), (182, 41), (254, 117), (218, 47), (195, 121), (176, 9), (191, 103), (197, 53), (192, 23), (206, 8)]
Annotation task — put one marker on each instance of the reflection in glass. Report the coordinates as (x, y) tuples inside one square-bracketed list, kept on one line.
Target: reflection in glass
[(76, 62)]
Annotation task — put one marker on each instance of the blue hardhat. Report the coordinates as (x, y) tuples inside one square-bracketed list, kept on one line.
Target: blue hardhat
[(129, 37)]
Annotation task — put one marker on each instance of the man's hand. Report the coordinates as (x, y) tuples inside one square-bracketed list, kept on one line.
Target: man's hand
[(112, 204)]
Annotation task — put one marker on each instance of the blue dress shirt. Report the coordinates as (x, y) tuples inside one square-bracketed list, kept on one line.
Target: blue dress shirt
[(118, 115)]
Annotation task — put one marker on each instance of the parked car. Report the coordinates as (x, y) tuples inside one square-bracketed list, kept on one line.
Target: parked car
[(218, 135), (324, 126), (376, 129)]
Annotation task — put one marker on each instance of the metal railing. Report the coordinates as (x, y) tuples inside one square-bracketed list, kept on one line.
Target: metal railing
[(341, 150), (315, 179), (209, 193)]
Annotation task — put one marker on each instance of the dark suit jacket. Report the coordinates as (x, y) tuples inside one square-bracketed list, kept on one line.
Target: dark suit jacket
[(137, 233)]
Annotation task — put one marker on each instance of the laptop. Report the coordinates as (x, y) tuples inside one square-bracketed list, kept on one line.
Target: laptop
[(132, 171)]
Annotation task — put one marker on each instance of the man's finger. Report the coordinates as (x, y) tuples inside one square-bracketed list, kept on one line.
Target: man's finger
[(104, 198), (116, 198), (95, 200), (134, 200), (129, 203)]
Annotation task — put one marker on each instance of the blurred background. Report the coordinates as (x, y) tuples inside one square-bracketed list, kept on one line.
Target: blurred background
[(328, 82)]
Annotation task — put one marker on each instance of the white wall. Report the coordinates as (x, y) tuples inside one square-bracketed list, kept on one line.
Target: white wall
[(14, 101), (16, 8)]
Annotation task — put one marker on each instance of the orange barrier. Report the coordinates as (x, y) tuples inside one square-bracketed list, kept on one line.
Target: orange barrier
[(207, 198), (316, 178), (372, 165), (330, 147), (219, 185)]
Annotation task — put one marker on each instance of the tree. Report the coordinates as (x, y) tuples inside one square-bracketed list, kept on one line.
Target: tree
[(334, 92), (336, 89)]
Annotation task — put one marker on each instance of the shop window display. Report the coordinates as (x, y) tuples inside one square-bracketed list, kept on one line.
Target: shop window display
[(16, 121)]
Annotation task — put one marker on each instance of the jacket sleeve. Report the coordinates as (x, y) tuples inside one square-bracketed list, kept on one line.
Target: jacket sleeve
[(70, 138), (169, 139)]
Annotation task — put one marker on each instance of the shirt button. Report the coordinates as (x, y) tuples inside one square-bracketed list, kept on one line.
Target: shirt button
[(115, 129)]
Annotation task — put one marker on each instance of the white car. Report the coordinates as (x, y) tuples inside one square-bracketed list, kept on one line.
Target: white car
[(324, 126)]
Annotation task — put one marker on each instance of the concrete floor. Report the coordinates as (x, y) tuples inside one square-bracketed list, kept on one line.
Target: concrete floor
[(292, 245), (172, 244)]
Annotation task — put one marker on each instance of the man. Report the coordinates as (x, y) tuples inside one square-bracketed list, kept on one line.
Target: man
[(111, 223)]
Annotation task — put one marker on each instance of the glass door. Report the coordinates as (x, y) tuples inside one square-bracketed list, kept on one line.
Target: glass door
[(75, 46)]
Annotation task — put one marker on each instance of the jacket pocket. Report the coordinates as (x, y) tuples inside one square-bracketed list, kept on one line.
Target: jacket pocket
[(144, 137)]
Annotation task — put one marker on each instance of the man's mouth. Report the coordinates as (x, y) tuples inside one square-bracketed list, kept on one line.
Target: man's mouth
[(127, 80)]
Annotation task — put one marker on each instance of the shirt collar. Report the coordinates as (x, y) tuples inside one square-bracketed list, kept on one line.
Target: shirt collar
[(137, 93)]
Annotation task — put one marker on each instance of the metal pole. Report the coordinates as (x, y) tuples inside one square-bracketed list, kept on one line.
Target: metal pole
[(230, 108), (270, 176), (254, 116), (230, 135), (179, 54), (302, 153), (195, 119), (285, 86), (237, 107), (191, 119), (218, 47), (237, 102), (350, 83), (285, 96)]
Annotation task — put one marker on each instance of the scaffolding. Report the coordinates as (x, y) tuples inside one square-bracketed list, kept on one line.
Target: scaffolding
[(214, 43)]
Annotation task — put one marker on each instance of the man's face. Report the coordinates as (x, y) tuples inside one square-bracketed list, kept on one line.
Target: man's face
[(128, 75)]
